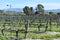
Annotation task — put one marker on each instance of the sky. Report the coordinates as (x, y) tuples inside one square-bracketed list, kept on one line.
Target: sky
[(48, 4)]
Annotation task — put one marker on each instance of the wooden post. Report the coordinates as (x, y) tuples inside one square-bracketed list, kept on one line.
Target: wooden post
[(57, 21), (50, 23), (46, 26), (2, 31), (26, 28), (39, 27), (17, 33), (4, 25)]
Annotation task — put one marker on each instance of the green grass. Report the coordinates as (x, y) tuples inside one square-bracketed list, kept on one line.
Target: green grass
[(54, 28), (4, 38), (34, 35)]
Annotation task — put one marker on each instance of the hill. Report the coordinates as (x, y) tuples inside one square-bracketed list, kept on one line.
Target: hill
[(20, 9), (14, 9), (54, 10)]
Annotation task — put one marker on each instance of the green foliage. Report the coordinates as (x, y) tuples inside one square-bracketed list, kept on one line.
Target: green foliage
[(26, 10), (40, 8), (31, 9)]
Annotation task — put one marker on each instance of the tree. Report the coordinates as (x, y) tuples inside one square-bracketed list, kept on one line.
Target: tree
[(31, 9), (50, 13), (40, 8), (58, 15), (26, 10), (26, 28), (1, 11)]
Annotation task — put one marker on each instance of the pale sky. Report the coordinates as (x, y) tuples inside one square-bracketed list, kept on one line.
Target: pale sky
[(48, 4)]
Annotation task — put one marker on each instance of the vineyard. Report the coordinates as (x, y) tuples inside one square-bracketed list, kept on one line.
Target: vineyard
[(27, 26)]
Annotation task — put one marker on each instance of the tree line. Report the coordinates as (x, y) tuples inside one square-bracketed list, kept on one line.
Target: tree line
[(29, 10)]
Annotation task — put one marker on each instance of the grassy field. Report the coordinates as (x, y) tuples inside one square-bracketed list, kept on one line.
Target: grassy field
[(4, 38), (32, 35), (35, 35)]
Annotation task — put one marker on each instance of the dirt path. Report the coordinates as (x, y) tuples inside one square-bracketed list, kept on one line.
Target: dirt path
[(57, 39), (53, 33)]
